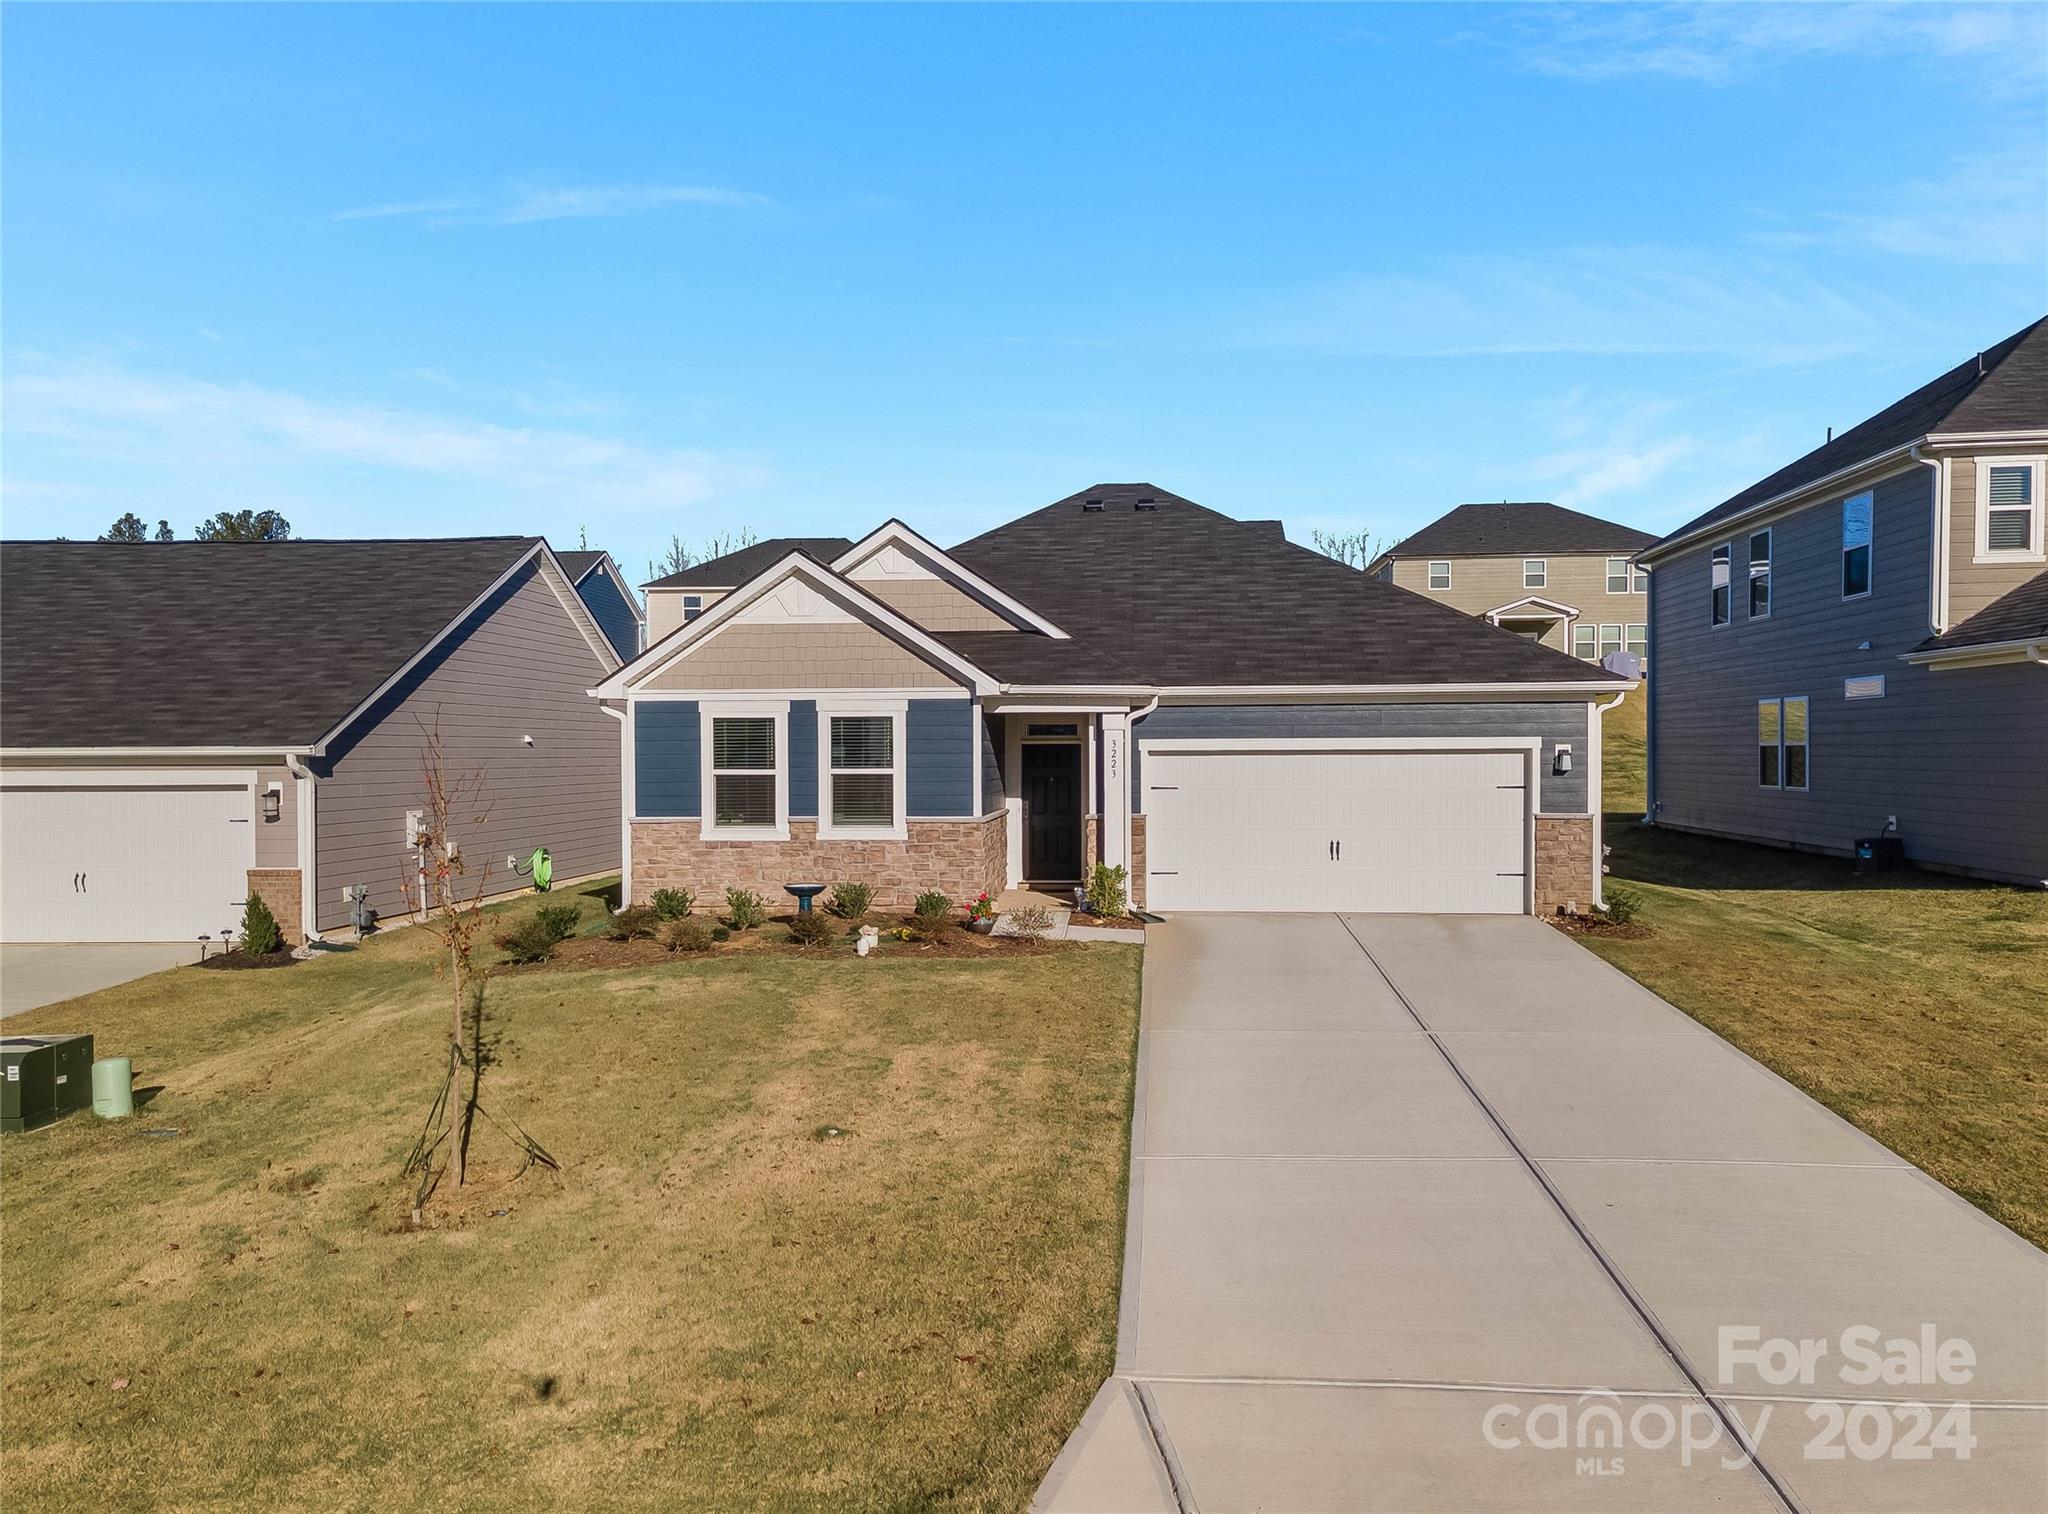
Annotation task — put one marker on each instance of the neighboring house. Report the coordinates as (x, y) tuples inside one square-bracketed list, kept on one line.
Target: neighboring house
[(682, 597), (1542, 571), (184, 723), (1858, 639), (603, 588), (1123, 676)]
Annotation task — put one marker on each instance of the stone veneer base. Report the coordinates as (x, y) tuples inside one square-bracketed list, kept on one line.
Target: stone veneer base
[(1565, 864), (960, 858)]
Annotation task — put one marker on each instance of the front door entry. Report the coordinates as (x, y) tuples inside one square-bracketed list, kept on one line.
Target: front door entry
[(1052, 811)]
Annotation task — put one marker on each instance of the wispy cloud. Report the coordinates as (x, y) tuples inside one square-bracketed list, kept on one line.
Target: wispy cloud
[(204, 430), (1721, 43), (1615, 301), (525, 205), (1987, 209)]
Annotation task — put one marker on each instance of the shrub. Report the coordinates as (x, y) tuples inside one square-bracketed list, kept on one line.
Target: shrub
[(685, 933), (744, 909), (929, 913), (529, 941), (1031, 923), (1624, 905), (260, 935), (810, 929), (636, 922), (850, 901), (1107, 894), (559, 920), (720, 933), (673, 903)]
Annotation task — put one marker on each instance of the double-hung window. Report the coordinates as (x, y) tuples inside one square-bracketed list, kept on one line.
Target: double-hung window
[(1856, 532), (746, 782), (1439, 575), (1610, 640), (1639, 580), (1535, 572), (861, 771), (2009, 509), (1781, 742), (1638, 641), (1719, 600), (1759, 575), (693, 606), (1617, 575), (1586, 641)]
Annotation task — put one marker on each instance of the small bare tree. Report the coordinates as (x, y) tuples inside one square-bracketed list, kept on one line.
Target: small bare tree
[(1354, 549)]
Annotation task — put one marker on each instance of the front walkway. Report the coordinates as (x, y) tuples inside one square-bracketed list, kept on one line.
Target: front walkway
[(1407, 1189)]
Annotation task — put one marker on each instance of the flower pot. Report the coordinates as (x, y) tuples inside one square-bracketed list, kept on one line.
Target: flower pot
[(981, 927)]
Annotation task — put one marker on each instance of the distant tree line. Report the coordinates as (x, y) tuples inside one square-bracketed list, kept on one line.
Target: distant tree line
[(228, 525)]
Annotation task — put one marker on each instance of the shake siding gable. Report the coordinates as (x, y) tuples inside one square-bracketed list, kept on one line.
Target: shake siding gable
[(518, 666), (761, 657), (1955, 755)]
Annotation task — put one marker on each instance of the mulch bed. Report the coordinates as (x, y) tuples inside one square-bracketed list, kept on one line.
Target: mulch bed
[(954, 942), (1593, 925), (1107, 922), (236, 961)]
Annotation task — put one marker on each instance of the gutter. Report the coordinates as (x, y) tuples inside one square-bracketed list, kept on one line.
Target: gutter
[(2028, 648), (1717, 528), (1595, 794)]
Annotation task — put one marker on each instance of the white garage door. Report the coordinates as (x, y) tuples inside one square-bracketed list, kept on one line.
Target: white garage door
[(122, 864), (1435, 832)]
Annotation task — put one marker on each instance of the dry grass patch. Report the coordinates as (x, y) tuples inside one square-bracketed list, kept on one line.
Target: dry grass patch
[(712, 1306)]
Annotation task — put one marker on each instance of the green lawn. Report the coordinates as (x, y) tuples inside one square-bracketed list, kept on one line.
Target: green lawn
[(707, 1308), (1913, 1004)]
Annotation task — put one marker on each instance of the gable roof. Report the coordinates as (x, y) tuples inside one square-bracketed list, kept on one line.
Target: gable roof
[(736, 568), (1182, 596), (578, 564), (223, 644), (1513, 529), (2018, 615), (2003, 388)]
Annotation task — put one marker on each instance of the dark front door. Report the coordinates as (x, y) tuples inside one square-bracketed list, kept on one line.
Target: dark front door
[(1052, 812)]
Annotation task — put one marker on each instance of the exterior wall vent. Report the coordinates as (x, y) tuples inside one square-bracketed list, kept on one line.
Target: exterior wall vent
[(1145, 504), (1092, 504)]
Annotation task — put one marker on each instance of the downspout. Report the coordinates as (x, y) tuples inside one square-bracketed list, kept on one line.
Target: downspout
[(305, 798), (1938, 547), (1649, 703), (1131, 779), (618, 713), (1594, 784)]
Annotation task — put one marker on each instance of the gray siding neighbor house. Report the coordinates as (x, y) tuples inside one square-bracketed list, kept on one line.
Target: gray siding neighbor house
[(252, 722), (1854, 646), (1123, 678)]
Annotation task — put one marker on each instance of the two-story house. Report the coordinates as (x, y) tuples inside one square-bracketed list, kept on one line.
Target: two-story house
[(1554, 575), (1855, 644), (678, 598)]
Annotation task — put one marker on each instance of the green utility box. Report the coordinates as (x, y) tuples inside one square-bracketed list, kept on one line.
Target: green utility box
[(45, 1078)]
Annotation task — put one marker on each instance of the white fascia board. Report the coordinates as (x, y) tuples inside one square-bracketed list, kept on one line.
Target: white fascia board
[(2031, 649), (1892, 460), (194, 753), (895, 531), (1302, 692), (1167, 746), (565, 590), (1569, 612), (620, 684), (2032, 438), (139, 778)]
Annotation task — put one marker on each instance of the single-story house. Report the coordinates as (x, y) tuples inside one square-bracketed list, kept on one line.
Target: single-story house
[(610, 600), (1124, 677), (1856, 646), (184, 723)]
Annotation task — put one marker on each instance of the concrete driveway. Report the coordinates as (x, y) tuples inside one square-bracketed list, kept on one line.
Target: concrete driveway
[(37, 973), (1443, 1213)]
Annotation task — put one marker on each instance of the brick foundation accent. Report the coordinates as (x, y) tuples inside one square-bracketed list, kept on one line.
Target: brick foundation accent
[(960, 858), (278, 887), (1091, 843), (1137, 883), (1565, 865)]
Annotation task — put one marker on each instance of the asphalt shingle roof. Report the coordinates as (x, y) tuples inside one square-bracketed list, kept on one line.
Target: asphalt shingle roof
[(1180, 595), (736, 568), (2020, 615), (1511, 529), (2004, 388), (578, 563), (219, 643)]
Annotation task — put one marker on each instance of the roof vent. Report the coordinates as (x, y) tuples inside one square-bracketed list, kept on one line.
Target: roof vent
[(1145, 504), (1092, 504)]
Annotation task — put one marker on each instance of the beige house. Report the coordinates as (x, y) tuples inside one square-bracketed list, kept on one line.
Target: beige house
[(1551, 574)]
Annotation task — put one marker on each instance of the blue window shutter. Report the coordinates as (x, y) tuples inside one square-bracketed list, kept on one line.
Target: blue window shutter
[(940, 736), (665, 758), (803, 758)]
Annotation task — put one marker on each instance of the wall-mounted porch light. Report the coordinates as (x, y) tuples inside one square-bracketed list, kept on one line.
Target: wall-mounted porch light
[(273, 802), (1562, 763)]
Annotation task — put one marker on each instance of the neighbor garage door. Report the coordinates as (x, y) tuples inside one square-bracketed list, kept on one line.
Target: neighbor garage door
[(122, 864), (1436, 832)]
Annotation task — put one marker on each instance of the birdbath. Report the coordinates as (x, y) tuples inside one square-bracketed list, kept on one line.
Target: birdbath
[(805, 893)]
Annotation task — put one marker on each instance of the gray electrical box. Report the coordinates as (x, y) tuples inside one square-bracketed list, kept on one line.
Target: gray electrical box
[(46, 1077)]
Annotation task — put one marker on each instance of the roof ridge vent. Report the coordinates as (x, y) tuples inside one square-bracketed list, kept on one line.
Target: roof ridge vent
[(1147, 503), (1094, 505)]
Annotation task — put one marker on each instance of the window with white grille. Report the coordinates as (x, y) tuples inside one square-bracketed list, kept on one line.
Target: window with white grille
[(2009, 509)]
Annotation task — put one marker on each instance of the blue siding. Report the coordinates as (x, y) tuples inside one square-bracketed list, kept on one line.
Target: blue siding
[(991, 765), (609, 609), (1560, 722), (803, 758), (665, 758), (940, 736)]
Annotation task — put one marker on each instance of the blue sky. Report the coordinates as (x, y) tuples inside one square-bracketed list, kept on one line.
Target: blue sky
[(412, 271)]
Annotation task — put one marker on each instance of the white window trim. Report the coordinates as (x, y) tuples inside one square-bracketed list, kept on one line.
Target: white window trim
[(1769, 575), (1593, 630), (707, 802), (1638, 579), (1620, 638), (1728, 547), (1429, 578), (2037, 549), (1870, 571), (1542, 579), (898, 711), (693, 606), (1626, 575)]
